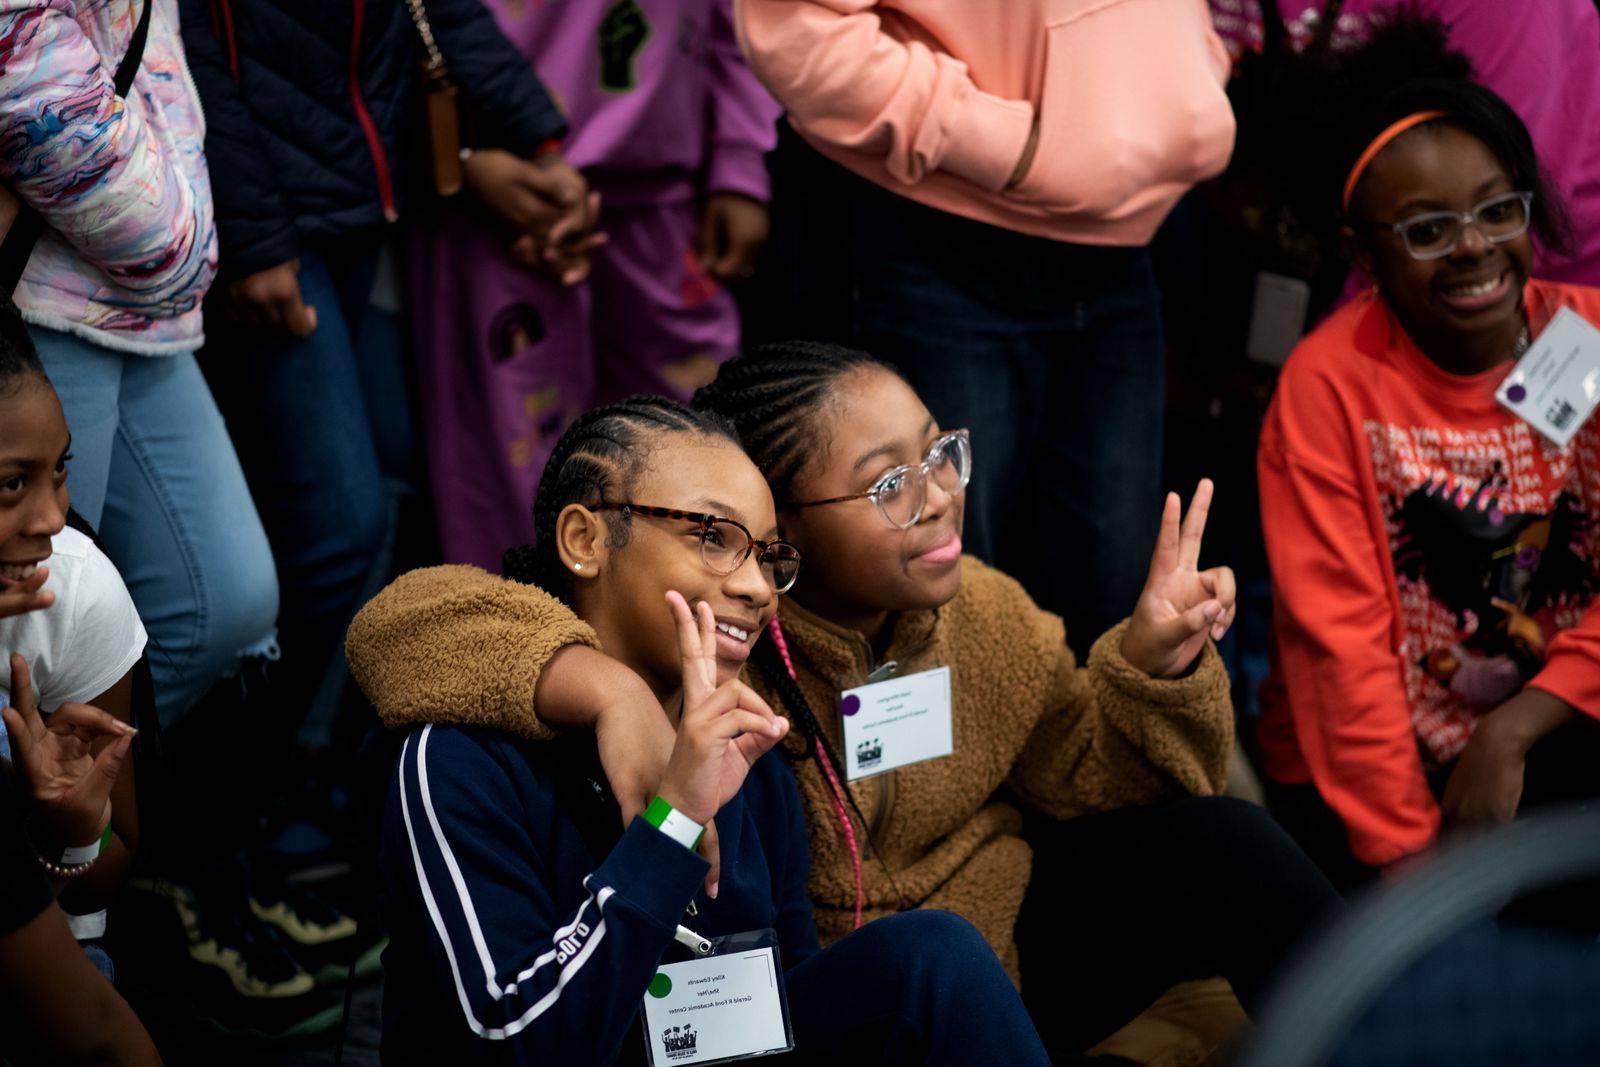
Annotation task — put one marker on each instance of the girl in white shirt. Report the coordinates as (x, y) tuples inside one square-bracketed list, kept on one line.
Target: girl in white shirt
[(68, 628)]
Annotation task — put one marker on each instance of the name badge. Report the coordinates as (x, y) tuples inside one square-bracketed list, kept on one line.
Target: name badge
[(1556, 384), (730, 1005), (891, 724)]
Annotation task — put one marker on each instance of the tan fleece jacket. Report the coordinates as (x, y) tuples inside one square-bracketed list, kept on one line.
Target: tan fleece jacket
[(467, 647)]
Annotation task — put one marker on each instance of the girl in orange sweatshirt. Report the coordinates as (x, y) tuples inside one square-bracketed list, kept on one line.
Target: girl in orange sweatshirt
[(1434, 557)]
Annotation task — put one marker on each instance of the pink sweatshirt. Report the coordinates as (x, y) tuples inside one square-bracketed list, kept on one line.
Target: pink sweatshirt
[(934, 99)]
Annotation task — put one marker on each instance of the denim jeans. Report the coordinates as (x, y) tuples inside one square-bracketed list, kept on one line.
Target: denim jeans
[(96, 951), (324, 431), (1050, 353), (155, 474), (921, 987)]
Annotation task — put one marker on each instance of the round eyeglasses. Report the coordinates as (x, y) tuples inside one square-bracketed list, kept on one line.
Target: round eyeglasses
[(726, 543), (1436, 234), (902, 493)]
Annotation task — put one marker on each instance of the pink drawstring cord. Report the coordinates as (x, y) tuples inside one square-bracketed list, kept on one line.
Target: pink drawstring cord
[(835, 789)]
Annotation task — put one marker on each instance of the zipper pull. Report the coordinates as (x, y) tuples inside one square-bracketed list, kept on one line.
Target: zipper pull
[(692, 941), (883, 671)]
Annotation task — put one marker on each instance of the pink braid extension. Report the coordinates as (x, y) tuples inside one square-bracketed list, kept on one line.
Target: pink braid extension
[(835, 790)]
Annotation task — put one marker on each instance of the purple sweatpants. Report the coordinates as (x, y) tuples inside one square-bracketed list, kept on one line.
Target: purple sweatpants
[(507, 359)]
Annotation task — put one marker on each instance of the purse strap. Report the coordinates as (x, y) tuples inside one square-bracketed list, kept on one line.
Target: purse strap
[(419, 15), (17, 247)]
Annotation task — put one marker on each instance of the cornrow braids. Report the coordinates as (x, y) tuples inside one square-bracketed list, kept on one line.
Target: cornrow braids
[(772, 396), (597, 460), (18, 357)]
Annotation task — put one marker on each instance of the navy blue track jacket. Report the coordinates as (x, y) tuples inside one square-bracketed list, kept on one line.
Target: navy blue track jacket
[(510, 945)]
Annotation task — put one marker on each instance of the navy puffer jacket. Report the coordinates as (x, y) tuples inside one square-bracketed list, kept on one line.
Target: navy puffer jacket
[(313, 111)]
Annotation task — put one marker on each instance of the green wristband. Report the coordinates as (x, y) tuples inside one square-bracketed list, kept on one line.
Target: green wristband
[(674, 823)]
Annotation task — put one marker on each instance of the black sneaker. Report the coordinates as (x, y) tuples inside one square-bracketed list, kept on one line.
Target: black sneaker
[(321, 937), (240, 979)]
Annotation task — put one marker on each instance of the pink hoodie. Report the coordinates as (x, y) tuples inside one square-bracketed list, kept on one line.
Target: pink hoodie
[(934, 99)]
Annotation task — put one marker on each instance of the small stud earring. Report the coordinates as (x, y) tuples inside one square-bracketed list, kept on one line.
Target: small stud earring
[(577, 566)]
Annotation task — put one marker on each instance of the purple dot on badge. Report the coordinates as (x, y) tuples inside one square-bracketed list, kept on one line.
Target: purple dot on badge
[(850, 705), (1516, 394)]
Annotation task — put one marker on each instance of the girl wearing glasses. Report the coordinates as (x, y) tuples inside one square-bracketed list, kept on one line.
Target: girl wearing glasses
[(518, 907), (871, 490), (1434, 557)]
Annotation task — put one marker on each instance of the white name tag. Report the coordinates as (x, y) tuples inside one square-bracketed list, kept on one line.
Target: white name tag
[(723, 1007), (893, 723), (1556, 384)]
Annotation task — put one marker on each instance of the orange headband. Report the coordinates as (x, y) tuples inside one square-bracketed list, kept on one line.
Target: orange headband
[(1379, 143)]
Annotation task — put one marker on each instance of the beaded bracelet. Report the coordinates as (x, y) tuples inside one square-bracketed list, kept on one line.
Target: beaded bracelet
[(65, 872)]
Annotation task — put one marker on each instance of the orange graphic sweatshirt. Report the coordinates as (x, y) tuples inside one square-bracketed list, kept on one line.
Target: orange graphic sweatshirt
[(1431, 554)]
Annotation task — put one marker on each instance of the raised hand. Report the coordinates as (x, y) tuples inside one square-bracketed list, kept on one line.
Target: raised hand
[(67, 763), (1181, 606), (635, 743), (724, 729), (19, 598)]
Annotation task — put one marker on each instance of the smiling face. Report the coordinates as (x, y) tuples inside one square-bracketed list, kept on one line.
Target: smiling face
[(1463, 309), (621, 587), (858, 566), (33, 475)]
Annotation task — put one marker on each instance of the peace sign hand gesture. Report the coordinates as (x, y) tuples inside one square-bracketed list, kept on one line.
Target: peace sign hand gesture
[(67, 763), (1181, 605), (724, 729)]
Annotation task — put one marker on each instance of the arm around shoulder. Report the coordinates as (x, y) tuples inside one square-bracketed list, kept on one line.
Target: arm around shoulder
[(457, 644)]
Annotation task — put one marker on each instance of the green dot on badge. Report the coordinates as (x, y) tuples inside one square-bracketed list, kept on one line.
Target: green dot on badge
[(660, 985)]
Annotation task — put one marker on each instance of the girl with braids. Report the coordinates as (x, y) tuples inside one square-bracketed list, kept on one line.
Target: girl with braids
[(1434, 557), (511, 902), (870, 489)]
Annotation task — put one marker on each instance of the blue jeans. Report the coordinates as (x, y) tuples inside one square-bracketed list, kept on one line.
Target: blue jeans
[(96, 951), (1050, 353), (921, 987), (324, 430), (155, 474)]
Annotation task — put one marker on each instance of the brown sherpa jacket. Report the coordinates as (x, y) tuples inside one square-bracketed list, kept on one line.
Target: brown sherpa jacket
[(467, 647)]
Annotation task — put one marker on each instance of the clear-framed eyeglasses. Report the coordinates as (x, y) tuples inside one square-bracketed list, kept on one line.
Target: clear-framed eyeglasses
[(1436, 234), (901, 494)]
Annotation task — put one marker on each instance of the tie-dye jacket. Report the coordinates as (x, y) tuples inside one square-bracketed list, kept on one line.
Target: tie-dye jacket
[(131, 246)]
